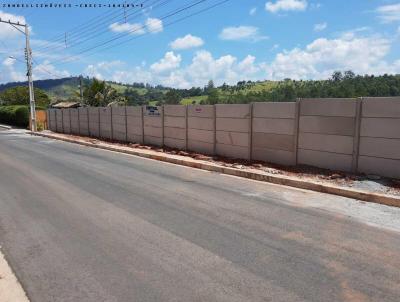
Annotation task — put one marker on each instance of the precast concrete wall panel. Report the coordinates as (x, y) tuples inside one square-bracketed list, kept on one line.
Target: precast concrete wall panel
[(94, 122), (327, 129), (119, 124), (83, 121), (66, 116), (52, 120), (105, 122), (59, 118), (153, 125), (379, 149), (134, 120), (74, 120), (274, 126), (201, 128), (233, 130), (175, 126)]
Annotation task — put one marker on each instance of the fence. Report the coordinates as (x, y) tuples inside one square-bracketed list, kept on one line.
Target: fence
[(353, 135)]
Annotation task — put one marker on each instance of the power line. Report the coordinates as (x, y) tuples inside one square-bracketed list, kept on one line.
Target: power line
[(171, 14), (95, 33), (88, 26)]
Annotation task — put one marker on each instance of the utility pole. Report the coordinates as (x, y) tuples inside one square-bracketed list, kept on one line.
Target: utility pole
[(28, 57)]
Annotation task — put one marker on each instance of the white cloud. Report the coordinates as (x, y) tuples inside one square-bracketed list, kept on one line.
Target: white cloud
[(363, 55), (286, 5), (6, 30), (131, 28), (320, 26), (169, 62), (253, 11), (186, 42), (389, 13), (103, 70), (10, 73), (239, 33), (46, 70), (154, 25)]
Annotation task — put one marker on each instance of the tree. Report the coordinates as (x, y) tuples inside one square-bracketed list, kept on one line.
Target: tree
[(20, 96), (98, 93), (337, 76), (172, 97), (213, 97)]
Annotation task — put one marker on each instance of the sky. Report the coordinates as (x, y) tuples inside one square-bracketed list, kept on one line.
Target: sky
[(185, 43)]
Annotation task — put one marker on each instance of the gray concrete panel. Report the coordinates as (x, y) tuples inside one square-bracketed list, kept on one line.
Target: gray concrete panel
[(380, 147), (274, 125), (233, 110), (327, 125), (275, 110), (273, 141), (201, 111), (380, 127), (233, 124), (325, 160), (380, 166), (328, 107), (200, 123), (274, 156), (381, 107), (329, 143)]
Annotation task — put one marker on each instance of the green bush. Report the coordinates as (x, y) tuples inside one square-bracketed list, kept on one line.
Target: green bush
[(17, 115)]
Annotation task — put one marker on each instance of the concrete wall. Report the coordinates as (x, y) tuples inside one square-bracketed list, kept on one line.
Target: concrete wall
[(134, 118), (119, 123), (105, 123), (153, 126), (233, 130), (83, 121), (326, 133), (201, 128), (274, 132), (379, 151), (337, 134), (74, 115), (175, 126), (94, 121), (52, 120), (59, 124), (66, 123)]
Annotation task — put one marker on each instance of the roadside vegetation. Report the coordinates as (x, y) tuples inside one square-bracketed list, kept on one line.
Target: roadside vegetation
[(100, 93), (14, 105)]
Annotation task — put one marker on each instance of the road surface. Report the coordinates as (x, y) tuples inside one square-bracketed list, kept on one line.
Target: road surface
[(82, 224)]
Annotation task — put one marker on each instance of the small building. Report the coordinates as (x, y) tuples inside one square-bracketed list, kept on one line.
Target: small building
[(66, 105)]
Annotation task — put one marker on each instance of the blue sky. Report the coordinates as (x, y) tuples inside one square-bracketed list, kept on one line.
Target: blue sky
[(238, 40)]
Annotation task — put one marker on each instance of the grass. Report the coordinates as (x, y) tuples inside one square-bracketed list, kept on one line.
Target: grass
[(195, 99)]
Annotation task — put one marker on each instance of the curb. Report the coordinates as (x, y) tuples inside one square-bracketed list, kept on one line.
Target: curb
[(279, 180), (5, 127)]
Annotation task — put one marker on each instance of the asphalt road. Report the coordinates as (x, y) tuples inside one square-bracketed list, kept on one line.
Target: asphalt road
[(81, 224)]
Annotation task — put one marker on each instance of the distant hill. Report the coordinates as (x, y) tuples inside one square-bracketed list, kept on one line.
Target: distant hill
[(65, 88)]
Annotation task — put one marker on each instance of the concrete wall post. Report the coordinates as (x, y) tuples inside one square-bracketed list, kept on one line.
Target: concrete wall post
[(296, 130), (162, 126), (186, 129), (251, 132), (356, 139), (88, 122), (99, 135), (62, 120), (79, 122), (111, 121), (215, 131)]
